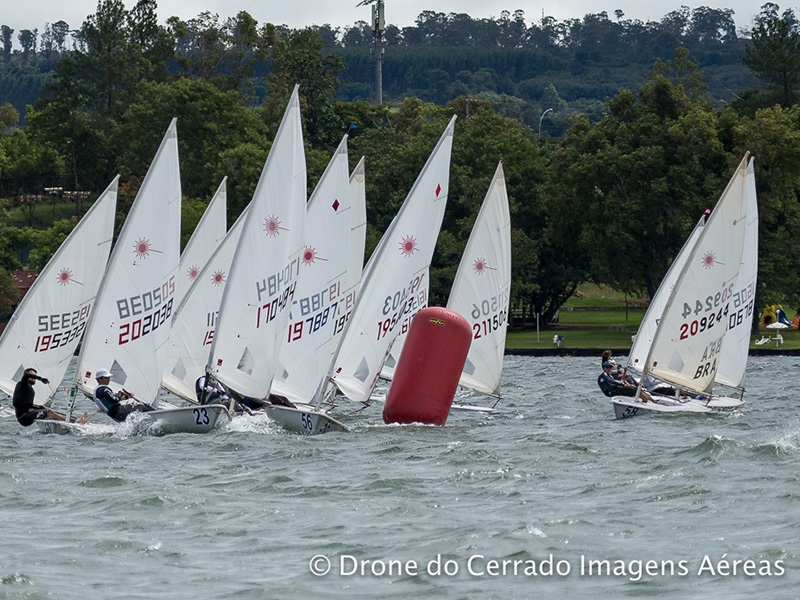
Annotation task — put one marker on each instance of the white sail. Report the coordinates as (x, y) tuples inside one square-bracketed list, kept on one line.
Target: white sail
[(48, 323), (391, 287), (258, 295), (652, 316), (129, 328), (482, 287), (204, 241), (358, 233), (735, 348), (321, 295), (387, 372), (195, 320), (686, 347)]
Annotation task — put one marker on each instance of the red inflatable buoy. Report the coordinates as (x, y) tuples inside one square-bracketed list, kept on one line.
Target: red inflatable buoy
[(427, 372)]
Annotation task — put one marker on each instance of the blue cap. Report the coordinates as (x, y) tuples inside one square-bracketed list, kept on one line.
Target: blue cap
[(608, 363)]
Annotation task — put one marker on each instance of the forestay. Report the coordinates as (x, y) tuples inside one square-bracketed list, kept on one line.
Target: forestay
[(258, 295)]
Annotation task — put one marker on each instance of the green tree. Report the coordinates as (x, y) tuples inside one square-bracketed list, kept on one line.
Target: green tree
[(9, 294), (635, 184), (297, 57), (774, 55), (773, 137)]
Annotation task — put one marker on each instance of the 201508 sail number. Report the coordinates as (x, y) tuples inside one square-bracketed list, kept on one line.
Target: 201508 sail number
[(201, 416)]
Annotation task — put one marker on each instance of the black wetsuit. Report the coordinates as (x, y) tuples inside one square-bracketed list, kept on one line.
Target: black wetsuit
[(614, 387), (27, 412)]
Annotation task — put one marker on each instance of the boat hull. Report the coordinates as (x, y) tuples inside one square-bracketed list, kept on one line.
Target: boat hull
[(722, 402), (190, 419), (626, 407), (306, 421), (52, 427)]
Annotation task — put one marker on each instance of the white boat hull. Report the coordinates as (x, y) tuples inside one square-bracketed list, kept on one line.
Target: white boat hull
[(471, 408), (191, 419), (307, 421), (721, 402), (626, 407), (62, 427)]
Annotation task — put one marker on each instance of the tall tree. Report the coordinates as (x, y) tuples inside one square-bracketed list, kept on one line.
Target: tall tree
[(774, 54), (298, 57), (6, 34)]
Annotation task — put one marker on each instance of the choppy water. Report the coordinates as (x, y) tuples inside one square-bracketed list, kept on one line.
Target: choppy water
[(550, 479)]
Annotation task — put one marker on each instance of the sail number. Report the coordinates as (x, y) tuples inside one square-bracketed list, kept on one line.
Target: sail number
[(411, 306), (317, 321), (696, 326), (712, 303), (487, 326), (71, 325), (201, 416), (56, 340), (129, 332), (490, 305)]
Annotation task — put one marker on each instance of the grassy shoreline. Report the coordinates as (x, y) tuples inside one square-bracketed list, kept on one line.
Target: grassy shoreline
[(599, 318)]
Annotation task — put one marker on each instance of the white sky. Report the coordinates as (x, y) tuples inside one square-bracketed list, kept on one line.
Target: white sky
[(19, 14)]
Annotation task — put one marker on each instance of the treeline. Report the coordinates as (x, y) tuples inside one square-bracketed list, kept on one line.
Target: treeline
[(611, 200), (521, 66)]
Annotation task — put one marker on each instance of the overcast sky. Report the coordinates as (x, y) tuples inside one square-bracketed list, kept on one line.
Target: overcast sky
[(21, 14)]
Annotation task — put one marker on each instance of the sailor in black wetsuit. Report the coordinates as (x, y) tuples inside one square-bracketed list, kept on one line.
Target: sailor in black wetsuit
[(27, 412), (611, 386)]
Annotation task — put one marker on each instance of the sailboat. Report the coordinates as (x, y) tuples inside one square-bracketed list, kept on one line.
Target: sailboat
[(390, 289), (322, 294), (336, 221), (480, 293), (481, 290), (698, 339), (195, 319), (48, 323), (204, 241), (260, 288), (129, 327)]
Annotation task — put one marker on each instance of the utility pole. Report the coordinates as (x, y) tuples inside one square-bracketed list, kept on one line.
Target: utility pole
[(378, 27)]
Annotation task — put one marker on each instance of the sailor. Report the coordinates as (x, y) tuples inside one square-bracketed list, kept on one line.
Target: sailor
[(209, 391), (113, 403), (27, 412), (611, 386)]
